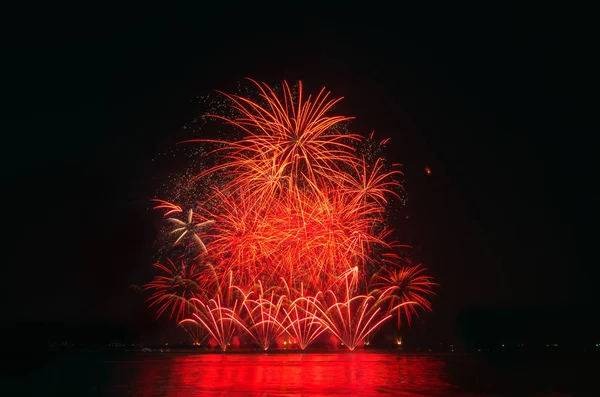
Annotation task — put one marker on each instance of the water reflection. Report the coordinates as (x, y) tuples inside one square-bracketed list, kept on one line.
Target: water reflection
[(315, 374), (364, 374)]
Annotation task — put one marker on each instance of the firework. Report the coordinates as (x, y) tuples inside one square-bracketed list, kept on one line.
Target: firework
[(261, 315), (174, 288), (349, 316), (401, 284), (190, 226), (216, 315), (300, 318), (289, 234)]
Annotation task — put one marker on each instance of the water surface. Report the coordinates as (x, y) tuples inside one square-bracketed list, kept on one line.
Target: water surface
[(310, 374)]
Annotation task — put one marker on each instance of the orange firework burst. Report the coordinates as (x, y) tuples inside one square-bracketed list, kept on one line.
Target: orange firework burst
[(293, 229), (286, 135)]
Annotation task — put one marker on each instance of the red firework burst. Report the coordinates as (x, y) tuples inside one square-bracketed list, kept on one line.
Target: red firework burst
[(285, 238), (401, 284), (174, 288)]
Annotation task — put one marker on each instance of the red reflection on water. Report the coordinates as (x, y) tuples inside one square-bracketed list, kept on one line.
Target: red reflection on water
[(357, 373)]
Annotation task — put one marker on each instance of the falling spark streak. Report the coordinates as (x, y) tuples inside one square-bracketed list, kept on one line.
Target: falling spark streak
[(170, 207), (196, 332)]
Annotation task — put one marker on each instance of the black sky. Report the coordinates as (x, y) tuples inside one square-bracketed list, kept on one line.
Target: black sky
[(497, 101)]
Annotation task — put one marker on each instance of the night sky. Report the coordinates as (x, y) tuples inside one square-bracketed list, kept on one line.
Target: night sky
[(497, 102)]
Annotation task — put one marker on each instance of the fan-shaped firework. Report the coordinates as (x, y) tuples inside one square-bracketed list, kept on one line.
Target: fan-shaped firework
[(292, 221)]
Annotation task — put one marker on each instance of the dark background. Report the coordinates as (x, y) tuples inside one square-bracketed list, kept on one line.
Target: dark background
[(499, 101)]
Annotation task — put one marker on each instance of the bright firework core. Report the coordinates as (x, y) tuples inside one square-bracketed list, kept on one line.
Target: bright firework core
[(289, 242)]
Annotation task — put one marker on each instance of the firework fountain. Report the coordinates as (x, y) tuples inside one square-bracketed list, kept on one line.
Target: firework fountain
[(289, 239)]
